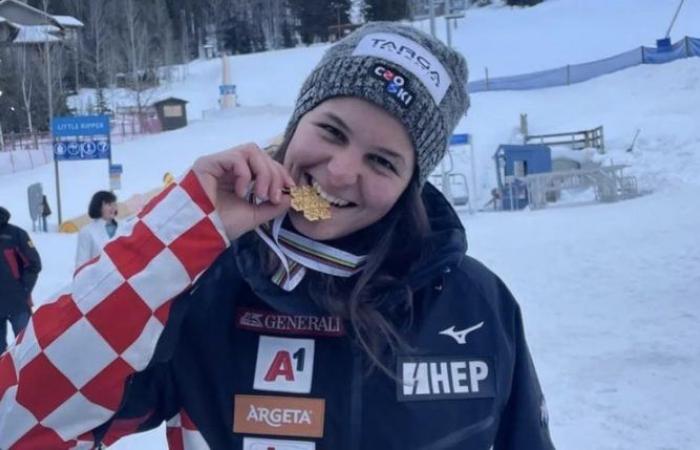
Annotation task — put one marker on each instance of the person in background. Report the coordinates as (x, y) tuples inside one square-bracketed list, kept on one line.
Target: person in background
[(93, 236), (19, 269), (45, 212)]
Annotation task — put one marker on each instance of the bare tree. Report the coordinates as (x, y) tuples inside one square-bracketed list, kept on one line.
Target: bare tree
[(136, 51), (95, 38), (26, 82)]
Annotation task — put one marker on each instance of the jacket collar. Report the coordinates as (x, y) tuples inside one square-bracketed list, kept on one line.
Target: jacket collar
[(446, 244)]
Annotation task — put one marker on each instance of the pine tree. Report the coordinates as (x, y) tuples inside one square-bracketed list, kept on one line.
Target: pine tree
[(523, 2), (386, 10), (236, 35), (315, 16)]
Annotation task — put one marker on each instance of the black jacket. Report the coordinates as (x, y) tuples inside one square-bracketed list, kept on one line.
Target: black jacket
[(250, 363), (19, 268)]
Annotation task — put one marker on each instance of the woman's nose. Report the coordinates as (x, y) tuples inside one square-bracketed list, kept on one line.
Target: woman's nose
[(344, 168)]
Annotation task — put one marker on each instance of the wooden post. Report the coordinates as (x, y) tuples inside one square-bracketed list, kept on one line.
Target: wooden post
[(31, 160), (12, 161), (642, 47), (486, 69), (568, 74)]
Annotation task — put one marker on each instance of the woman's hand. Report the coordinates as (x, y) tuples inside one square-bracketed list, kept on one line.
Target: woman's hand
[(226, 177)]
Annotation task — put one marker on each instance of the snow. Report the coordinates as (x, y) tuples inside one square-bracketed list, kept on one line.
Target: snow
[(69, 21), (33, 34), (609, 291)]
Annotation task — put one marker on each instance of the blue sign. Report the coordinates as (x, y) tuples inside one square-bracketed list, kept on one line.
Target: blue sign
[(73, 150), (116, 169), (79, 151), (80, 126), (103, 148), (460, 139), (226, 89)]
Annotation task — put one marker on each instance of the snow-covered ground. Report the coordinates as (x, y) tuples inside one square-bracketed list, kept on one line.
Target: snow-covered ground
[(609, 292)]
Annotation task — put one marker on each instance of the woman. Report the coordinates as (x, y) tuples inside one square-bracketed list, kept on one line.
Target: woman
[(93, 236), (247, 325)]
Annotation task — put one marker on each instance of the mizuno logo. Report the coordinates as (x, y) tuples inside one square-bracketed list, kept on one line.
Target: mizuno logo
[(460, 335)]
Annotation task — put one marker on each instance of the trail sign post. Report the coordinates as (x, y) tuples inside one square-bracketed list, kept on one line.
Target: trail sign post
[(79, 138)]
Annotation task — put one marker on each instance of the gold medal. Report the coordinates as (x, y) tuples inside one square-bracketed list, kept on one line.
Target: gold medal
[(305, 199)]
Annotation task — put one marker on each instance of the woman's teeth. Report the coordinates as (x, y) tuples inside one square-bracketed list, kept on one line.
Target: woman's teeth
[(335, 201)]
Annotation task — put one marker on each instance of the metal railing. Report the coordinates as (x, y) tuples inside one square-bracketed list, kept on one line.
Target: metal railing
[(609, 184), (578, 140)]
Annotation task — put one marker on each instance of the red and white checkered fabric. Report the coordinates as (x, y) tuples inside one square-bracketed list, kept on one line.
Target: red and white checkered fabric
[(183, 434), (65, 374)]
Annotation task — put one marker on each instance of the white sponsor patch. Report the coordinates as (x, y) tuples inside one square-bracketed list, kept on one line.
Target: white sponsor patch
[(284, 365), (411, 56), (300, 325), (441, 378), (276, 444)]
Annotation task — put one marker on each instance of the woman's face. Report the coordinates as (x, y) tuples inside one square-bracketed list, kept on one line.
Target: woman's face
[(109, 210), (354, 154)]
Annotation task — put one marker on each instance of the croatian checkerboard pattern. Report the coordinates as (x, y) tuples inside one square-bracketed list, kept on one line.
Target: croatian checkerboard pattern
[(183, 434), (65, 374)]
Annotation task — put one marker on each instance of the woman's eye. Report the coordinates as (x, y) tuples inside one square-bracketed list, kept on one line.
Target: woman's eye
[(383, 162), (332, 132)]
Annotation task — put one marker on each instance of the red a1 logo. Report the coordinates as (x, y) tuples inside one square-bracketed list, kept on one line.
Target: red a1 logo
[(284, 365)]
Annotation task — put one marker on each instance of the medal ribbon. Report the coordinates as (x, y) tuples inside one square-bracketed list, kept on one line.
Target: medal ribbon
[(298, 253)]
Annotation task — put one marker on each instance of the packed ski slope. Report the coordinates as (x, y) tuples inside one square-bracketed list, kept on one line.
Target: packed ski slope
[(609, 292)]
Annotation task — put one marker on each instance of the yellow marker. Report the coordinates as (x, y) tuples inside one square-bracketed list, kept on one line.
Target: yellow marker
[(168, 178)]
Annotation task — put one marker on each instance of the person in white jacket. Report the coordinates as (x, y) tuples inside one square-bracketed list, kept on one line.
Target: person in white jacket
[(93, 236)]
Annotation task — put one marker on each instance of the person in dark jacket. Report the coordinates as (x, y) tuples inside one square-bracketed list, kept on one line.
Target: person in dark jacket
[(318, 298), (19, 268)]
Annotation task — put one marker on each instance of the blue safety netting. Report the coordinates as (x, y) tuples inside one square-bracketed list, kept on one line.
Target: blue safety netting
[(693, 46), (576, 73), (586, 71), (653, 55)]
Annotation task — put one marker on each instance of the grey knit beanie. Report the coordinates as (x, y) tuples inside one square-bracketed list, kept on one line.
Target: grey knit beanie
[(408, 73)]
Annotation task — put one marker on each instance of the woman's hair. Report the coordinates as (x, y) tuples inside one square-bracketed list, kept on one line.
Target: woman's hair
[(379, 289), (98, 199)]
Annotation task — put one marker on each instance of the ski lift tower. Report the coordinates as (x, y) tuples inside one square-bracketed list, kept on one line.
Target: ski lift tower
[(227, 90), (429, 9)]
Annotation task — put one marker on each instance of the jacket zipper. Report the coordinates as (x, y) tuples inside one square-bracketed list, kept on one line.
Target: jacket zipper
[(356, 400)]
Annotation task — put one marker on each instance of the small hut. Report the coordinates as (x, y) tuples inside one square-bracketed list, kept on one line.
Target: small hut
[(172, 113)]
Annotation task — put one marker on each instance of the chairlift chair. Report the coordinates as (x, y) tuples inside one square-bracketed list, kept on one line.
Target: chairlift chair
[(452, 184)]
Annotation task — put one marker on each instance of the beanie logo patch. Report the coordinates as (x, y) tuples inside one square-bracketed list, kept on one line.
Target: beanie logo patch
[(411, 56), (395, 84)]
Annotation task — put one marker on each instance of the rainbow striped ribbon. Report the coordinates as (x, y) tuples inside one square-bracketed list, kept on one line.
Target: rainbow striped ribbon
[(298, 253)]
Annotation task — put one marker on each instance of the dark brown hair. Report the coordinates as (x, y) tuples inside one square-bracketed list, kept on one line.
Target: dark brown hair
[(365, 299), (98, 199)]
